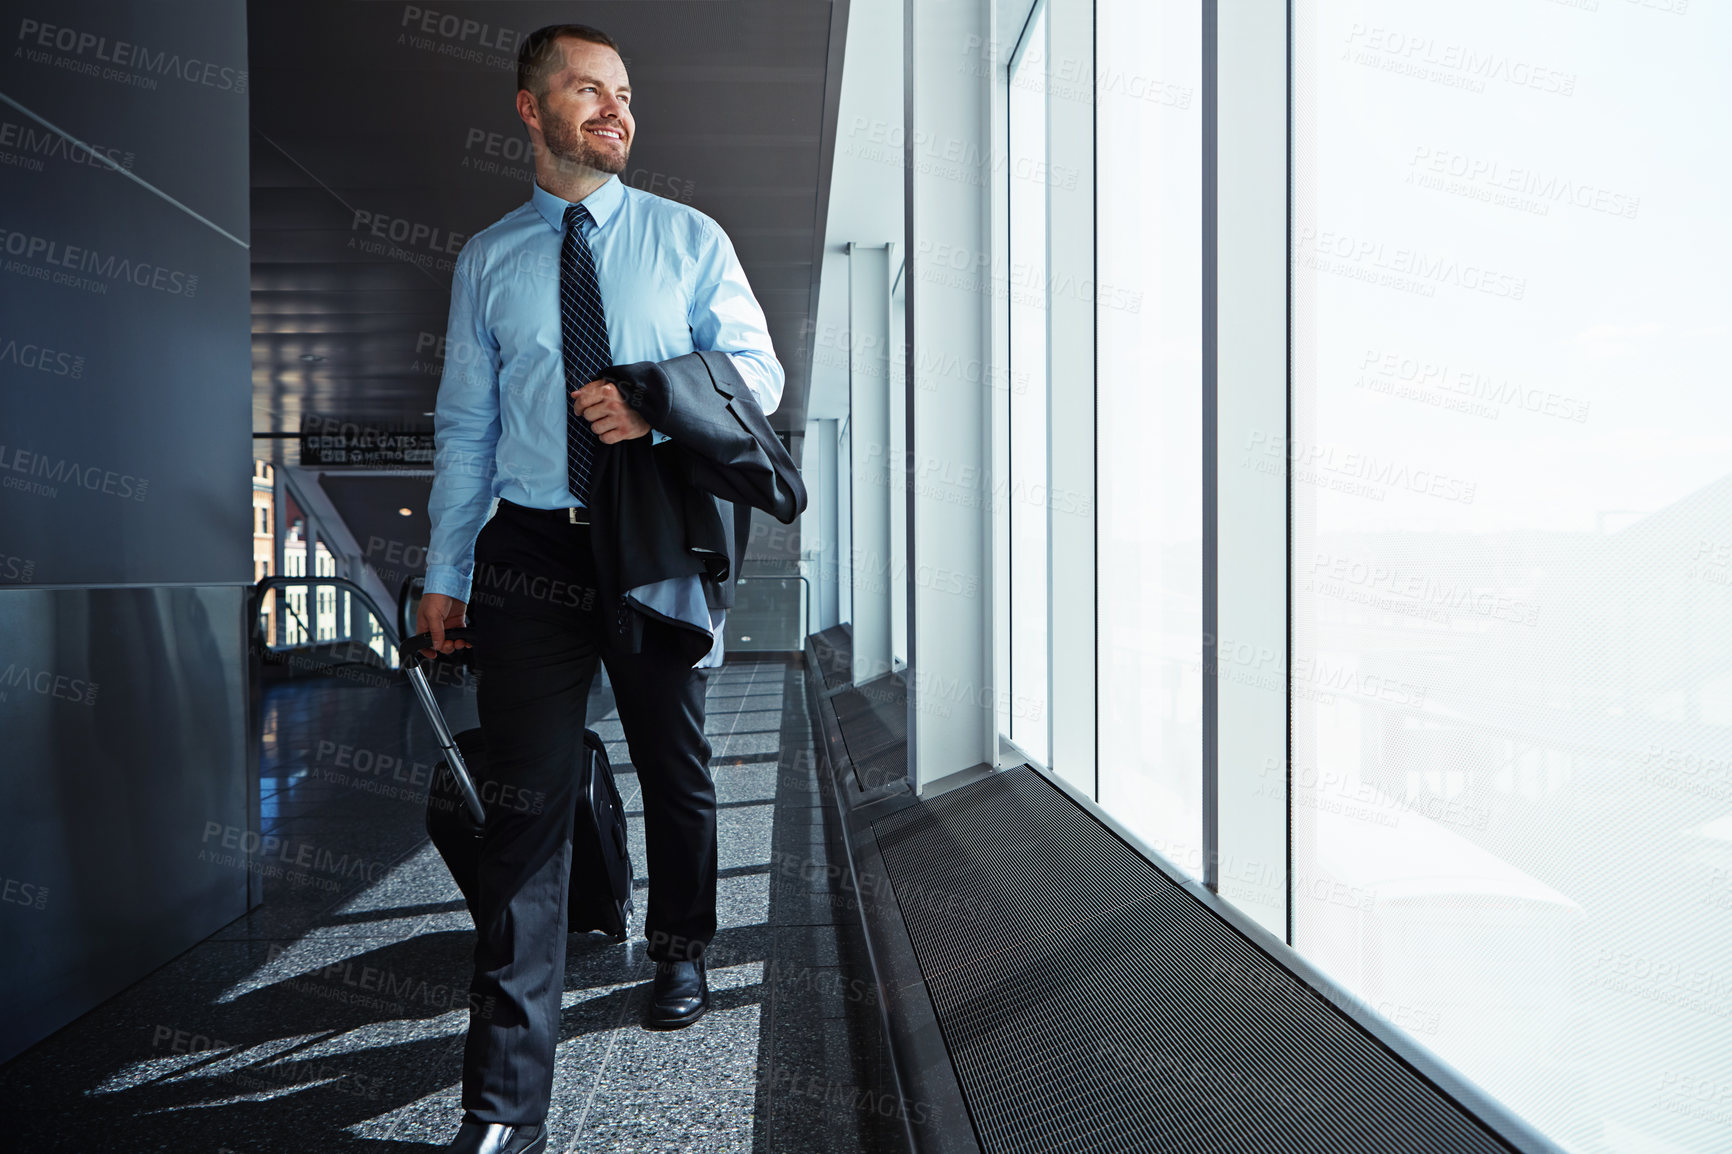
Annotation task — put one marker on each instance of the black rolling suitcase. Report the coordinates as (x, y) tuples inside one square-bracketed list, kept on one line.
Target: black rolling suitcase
[(599, 895)]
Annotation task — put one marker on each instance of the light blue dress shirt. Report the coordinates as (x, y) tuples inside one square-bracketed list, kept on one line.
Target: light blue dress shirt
[(670, 285)]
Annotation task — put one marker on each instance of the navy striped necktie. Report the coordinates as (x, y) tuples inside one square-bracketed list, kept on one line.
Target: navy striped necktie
[(583, 335)]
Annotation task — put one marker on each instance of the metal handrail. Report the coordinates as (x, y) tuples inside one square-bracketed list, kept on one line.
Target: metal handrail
[(407, 592), (392, 639)]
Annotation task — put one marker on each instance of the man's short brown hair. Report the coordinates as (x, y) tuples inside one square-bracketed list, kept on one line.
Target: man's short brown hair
[(539, 58)]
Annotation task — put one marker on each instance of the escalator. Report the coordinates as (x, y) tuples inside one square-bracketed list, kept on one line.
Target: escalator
[(326, 627)]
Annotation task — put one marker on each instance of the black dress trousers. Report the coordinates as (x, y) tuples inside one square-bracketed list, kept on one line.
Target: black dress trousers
[(534, 609)]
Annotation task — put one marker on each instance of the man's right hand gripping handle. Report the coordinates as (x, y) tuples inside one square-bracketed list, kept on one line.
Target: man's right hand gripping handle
[(436, 614)]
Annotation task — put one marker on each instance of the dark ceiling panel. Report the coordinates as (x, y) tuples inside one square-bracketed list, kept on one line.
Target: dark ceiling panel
[(392, 543), (364, 118)]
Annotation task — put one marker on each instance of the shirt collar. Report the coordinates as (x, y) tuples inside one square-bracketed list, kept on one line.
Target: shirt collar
[(601, 203)]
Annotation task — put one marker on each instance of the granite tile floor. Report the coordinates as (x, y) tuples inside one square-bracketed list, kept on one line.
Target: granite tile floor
[(331, 1018)]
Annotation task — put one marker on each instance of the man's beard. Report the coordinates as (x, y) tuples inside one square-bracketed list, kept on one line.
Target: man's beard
[(570, 145)]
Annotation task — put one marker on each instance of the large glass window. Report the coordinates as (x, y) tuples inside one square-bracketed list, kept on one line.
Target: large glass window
[(1512, 547), (1148, 295)]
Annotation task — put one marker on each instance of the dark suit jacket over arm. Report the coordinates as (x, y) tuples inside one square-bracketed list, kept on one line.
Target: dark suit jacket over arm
[(671, 510)]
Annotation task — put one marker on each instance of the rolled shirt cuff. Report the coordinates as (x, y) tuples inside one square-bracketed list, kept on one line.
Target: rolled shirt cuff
[(447, 580)]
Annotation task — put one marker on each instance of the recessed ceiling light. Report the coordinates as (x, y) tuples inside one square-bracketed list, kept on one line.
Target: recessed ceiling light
[(405, 512)]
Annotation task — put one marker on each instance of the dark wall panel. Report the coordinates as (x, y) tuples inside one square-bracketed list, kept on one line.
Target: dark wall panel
[(125, 355), (123, 799), (125, 465)]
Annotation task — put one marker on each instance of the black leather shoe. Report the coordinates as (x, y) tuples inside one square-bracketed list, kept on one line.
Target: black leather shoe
[(680, 996), (498, 1138)]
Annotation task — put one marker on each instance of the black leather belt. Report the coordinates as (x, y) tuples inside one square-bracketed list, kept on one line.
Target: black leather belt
[(572, 514)]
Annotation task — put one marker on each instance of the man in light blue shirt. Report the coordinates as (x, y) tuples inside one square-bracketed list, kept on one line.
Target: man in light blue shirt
[(672, 284), (524, 573)]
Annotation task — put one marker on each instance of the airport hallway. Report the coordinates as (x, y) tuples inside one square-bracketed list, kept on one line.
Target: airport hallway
[(331, 1018)]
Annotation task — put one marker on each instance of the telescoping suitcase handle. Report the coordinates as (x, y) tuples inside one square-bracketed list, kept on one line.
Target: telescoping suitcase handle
[(411, 660)]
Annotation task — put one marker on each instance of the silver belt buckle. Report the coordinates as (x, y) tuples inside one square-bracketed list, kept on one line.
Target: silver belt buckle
[(572, 512)]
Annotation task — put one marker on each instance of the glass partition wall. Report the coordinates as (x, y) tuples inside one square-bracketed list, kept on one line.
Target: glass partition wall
[(1507, 445), (1511, 472), (1148, 333)]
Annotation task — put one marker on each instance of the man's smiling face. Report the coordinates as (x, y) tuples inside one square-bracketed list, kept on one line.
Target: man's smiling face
[(586, 111)]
